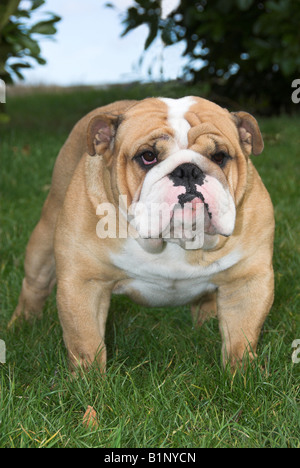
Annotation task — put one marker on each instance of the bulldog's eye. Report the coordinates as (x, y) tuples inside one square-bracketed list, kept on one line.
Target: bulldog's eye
[(220, 158), (148, 158)]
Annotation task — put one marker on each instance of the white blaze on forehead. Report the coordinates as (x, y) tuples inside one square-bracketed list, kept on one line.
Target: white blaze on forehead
[(177, 109)]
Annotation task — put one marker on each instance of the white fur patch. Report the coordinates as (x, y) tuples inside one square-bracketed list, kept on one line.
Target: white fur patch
[(167, 279), (177, 108)]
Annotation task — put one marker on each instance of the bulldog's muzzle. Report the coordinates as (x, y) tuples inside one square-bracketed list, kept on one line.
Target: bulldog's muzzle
[(176, 192)]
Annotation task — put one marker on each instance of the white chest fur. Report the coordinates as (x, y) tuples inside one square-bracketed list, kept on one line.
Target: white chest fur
[(166, 279)]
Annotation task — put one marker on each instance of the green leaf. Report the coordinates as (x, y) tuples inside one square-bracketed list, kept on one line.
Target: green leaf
[(44, 27), (40, 60), (152, 35), (19, 74), (22, 14), (244, 4), (15, 66), (168, 34), (31, 45), (36, 4)]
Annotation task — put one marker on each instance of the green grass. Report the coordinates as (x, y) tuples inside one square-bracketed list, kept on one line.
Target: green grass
[(165, 386)]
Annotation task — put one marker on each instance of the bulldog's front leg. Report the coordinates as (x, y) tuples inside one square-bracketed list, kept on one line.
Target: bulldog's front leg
[(83, 307), (242, 309)]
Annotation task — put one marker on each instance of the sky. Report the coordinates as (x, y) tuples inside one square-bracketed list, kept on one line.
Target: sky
[(88, 48)]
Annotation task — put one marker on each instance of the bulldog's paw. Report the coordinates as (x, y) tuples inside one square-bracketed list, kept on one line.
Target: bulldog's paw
[(30, 305), (241, 360), (24, 312)]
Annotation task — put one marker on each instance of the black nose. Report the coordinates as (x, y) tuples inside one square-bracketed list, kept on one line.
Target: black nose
[(187, 174)]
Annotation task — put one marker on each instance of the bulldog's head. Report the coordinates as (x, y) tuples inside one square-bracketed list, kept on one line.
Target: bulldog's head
[(178, 161)]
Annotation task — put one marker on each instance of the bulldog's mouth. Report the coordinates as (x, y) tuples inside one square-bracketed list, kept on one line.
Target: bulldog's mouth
[(194, 198), (189, 176)]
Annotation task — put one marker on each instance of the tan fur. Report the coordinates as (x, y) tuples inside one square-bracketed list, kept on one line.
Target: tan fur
[(64, 245)]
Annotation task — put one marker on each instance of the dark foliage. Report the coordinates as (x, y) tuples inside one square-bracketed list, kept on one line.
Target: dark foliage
[(241, 51)]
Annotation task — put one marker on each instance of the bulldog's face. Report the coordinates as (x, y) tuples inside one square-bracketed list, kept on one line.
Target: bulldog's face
[(180, 162)]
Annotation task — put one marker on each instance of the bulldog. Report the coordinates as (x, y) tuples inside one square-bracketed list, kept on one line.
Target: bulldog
[(190, 157)]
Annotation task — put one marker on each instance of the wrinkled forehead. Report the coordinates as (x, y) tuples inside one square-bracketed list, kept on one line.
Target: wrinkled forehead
[(184, 119)]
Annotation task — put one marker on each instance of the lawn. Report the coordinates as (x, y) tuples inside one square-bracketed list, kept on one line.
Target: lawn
[(165, 386)]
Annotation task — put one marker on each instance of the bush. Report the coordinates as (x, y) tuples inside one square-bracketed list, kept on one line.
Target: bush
[(242, 50), (18, 41)]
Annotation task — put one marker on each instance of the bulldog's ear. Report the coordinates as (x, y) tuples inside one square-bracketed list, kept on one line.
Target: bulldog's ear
[(100, 133), (249, 132)]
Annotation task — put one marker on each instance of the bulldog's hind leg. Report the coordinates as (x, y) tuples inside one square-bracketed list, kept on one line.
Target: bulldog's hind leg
[(205, 309), (39, 267), (39, 260)]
